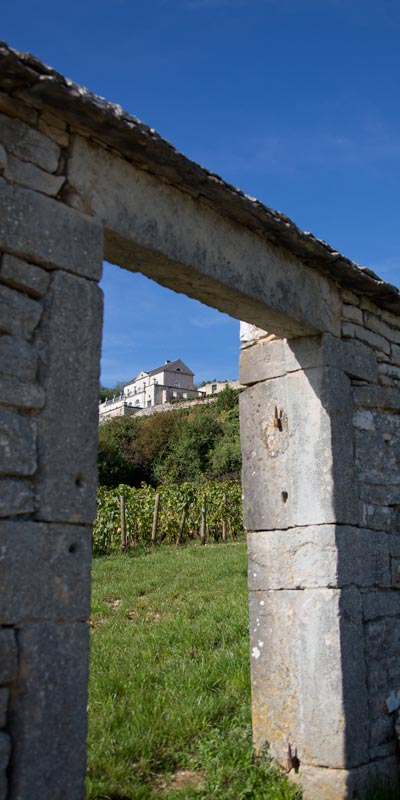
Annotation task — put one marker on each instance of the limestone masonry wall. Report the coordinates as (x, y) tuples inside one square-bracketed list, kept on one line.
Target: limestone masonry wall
[(50, 328), (359, 556), (377, 459)]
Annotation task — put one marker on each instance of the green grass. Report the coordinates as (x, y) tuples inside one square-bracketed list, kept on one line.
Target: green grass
[(170, 686)]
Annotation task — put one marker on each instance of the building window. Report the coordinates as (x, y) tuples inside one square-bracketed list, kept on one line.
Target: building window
[(213, 388), (177, 385), (148, 403), (178, 369)]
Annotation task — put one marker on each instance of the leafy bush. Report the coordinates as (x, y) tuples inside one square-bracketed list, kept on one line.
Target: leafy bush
[(194, 444)]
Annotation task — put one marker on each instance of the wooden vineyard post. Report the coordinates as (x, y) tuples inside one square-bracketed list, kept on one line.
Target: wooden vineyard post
[(155, 519), (203, 523), (123, 522), (224, 520), (181, 526)]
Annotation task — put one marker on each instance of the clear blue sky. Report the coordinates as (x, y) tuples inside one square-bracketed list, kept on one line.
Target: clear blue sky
[(294, 101)]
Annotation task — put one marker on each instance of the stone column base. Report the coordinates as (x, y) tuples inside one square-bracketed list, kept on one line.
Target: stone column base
[(320, 783)]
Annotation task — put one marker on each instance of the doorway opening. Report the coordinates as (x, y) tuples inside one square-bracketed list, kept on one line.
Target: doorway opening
[(170, 683)]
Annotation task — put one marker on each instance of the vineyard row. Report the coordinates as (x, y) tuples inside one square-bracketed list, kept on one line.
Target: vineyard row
[(127, 516)]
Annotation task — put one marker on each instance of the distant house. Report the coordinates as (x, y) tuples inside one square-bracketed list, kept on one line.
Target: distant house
[(213, 387), (171, 381)]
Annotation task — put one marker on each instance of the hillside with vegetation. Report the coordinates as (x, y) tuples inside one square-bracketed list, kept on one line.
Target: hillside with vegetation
[(192, 444)]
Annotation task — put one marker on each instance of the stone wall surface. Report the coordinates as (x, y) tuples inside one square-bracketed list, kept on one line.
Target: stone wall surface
[(50, 329), (320, 431)]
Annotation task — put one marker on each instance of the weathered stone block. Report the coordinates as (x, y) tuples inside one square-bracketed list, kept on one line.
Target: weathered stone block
[(350, 297), (317, 557), (4, 695), (308, 675), (18, 358), (16, 497), (33, 177), (17, 444), (367, 305), (14, 108), (358, 361), (337, 784), (53, 567), (352, 313), (70, 340), (377, 457), (28, 143), (53, 120), (380, 495), (365, 335), (272, 359), (8, 656), (18, 314), (377, 325), (379, 518), (377, 397), (44, 230), (297, 448), (20, 394), (55, 132), (250, 334), (365, 420), (378, 604), (382, 736), (48, 713), (23, 276), (390, 370)]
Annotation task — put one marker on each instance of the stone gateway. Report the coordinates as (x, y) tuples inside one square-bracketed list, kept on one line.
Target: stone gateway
[(80, 180)]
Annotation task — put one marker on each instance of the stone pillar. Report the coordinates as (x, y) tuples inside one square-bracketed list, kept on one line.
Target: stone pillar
[(311, 561), (50, 323)]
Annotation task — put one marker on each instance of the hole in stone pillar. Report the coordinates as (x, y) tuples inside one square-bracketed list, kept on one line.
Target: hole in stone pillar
[(284, 496), (79, 481), (73, 547)]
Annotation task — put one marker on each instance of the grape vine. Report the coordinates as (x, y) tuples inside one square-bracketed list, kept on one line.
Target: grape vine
[(223, 510)]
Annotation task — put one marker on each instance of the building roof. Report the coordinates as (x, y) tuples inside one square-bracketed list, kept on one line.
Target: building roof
[(111, 125), (167, 365), (170, 365)]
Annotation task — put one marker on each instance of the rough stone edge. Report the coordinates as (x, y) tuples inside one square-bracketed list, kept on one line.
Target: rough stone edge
[(141, 145)]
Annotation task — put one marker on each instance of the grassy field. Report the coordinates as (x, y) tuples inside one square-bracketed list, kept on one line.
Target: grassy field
[(169, 705)]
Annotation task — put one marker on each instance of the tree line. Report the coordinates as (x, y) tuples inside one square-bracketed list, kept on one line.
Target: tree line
[(195, 444)]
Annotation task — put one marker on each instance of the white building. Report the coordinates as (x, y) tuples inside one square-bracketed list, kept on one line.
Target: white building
[(213, 387), (172, 381)]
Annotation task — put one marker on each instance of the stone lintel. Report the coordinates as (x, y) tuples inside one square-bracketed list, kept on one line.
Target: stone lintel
[(176, 240)]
